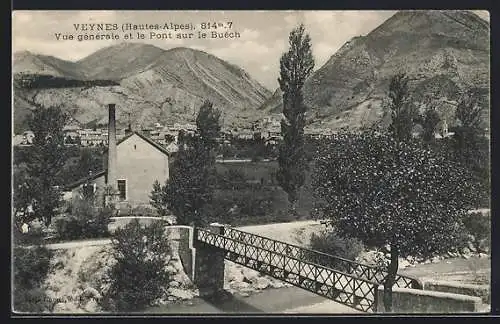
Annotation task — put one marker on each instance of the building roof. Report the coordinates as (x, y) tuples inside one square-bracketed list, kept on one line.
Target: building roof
[(103, 172), (145, 138), (83, 180)]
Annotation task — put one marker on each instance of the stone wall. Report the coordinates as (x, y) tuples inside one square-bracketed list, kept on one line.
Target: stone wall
[(209, 267), (482, 291), (406, 301)]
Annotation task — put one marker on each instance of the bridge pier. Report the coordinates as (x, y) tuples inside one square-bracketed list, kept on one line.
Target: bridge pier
[(209, 266)]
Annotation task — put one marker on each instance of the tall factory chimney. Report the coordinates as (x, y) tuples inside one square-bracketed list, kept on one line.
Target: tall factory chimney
[(112, 148)]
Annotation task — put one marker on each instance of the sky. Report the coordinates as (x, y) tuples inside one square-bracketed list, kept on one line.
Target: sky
[(263, 34)]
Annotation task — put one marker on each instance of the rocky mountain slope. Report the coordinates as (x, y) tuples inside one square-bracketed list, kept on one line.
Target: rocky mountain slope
[(442, 52), (149, 83)]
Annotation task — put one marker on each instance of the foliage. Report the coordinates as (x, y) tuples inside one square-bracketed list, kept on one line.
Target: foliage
[(86, 220), (192, 180), (295, 67), (329, 242), (470, 109), (430, 121), (208, 125), (479, 226), (139, 274), (397, 194), (46, 160), (401, 109), (30, 267), (158, 198), (471, 146)]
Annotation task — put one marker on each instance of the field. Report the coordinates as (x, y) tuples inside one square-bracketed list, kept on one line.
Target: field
[(248, 193)]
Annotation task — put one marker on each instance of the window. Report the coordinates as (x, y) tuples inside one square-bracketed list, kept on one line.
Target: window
[(122, 188)]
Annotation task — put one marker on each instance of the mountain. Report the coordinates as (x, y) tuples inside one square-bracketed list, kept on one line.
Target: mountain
[(443, 52), (29, 63), (147, 83)]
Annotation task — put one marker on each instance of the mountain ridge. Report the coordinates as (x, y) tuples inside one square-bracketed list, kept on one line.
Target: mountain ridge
[(438, 50), (153, 84)]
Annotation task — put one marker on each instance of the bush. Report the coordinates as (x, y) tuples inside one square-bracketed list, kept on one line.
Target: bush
[(35, 236), (86, 221), (479, 226), (139, 274), (31, 266), (329, 242)]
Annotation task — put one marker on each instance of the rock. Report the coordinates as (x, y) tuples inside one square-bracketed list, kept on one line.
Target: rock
[(244, 294), (262, 283), (171, 269), (180, 293), (250, 275), (91, 306), (465, 256), (466, 251), (182, 279), (66, 308), (435, 259), (234, 274), (174, 284), (471, 247), (403, 263), (277, 284), (427, 261), (240, 285), (171, 298), (483, 255), (91, 292)]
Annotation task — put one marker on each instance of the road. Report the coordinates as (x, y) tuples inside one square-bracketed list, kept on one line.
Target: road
[(278, 301)]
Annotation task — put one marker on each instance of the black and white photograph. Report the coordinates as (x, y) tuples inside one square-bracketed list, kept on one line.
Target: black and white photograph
[(251, 162)]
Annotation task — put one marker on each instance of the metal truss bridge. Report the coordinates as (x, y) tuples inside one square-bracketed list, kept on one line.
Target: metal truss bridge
[(344, 281)]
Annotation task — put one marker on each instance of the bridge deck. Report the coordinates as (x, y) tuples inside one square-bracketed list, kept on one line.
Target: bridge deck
[(347, 282)]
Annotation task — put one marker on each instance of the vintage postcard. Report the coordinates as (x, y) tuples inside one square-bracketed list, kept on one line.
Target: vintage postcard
[(251, 162)]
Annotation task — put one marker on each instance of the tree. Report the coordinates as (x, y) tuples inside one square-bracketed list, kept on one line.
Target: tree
[(190, 187), (396, 194), (470, 144), (430, 121), (400, 108), (158, 199), (139, 275), (46, 161), (295, 67)]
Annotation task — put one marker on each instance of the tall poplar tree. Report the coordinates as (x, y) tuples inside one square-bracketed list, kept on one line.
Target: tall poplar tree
[(295, 67)]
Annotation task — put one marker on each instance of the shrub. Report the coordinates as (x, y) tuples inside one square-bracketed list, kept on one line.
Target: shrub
[(139, 274), (479, 226), (329, 242), (84, 223), (31, 266), (33, 237)]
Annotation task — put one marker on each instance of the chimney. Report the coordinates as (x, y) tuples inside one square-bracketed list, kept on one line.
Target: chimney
[(128, 130), (112, 148)]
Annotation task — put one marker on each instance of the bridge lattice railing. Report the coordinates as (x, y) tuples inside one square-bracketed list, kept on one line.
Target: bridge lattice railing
[(363, 271), (249, 250)]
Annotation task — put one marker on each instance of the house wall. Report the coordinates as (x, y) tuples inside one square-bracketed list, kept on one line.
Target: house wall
[(140, 164)]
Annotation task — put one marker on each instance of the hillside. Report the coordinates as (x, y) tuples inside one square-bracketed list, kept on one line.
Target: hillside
[(149, 83), (442, 51)]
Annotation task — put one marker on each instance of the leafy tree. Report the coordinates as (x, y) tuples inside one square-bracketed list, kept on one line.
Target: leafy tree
[(295, 67), (208, 123), (470, 144), (46, 161), (396, 194), (139, 275), (400, 108), (190, 187), (430, 121), (158, 198)]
